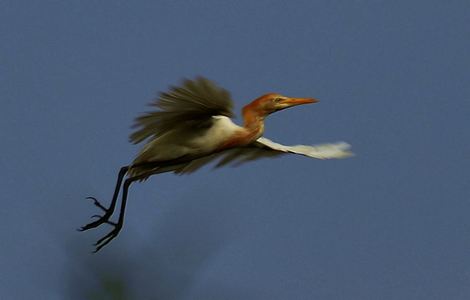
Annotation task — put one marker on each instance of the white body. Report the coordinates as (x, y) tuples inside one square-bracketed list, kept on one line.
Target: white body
[(174, 144), (220, 132)]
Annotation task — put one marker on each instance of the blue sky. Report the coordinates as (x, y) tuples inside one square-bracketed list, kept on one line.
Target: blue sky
[(390, 223)]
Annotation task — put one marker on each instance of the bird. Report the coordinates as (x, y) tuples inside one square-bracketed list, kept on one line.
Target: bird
[(190, 127)]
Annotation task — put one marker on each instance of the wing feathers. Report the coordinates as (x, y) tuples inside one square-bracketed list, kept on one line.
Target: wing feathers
[(322, 151), (265, 148), (188, 106)]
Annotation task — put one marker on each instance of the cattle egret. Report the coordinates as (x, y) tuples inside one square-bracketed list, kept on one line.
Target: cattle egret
[(192, 127)]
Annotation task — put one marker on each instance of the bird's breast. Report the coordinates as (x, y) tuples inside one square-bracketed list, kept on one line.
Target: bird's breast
[(222, 129)]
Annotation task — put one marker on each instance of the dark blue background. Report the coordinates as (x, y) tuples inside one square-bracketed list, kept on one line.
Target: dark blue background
[(391, 223)]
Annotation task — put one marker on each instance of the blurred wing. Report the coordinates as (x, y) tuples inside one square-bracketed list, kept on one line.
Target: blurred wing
[(264, 148), (321, 151), (189, 106)]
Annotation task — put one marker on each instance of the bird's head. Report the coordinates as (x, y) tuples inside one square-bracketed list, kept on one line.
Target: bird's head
[(269, 103)]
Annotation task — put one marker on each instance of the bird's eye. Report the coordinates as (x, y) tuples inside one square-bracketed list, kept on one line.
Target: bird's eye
[(278, 99)]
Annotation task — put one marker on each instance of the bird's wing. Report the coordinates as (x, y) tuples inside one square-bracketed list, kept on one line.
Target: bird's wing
[(320, 151), (190, 105), (264, 147)]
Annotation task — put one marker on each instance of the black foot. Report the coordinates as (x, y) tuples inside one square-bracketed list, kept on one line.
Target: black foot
[(109, 237), (101, 219)]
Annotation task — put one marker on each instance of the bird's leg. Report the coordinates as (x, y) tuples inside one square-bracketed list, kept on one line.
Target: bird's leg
[(107, 211), (154, 168), (117, 226)]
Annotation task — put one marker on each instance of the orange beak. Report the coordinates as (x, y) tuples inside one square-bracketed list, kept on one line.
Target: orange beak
[(289, 102), (299, 101)]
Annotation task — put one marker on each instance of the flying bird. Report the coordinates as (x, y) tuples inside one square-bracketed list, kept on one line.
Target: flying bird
[(191, 127)]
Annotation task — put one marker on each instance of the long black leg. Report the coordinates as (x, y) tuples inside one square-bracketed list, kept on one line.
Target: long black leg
[(117, 226), (153, 168), (107, 211)]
